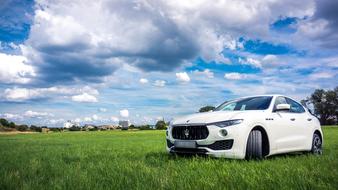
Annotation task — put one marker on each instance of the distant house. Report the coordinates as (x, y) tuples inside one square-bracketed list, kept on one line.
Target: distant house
[(108, 127), (88, 127), (124, 124)]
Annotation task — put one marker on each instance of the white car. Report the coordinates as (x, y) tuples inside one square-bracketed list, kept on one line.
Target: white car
[(250, 127)]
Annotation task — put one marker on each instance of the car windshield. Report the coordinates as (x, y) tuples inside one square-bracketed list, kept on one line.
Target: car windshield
[(252, 103)]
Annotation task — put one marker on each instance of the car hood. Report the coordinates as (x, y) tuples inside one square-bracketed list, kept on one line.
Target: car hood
[(208, 117)]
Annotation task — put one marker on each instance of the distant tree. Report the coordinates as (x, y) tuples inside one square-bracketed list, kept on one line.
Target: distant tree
[(74, 128), (145, 127), (325, 105), (206, 108), (132, 126), (161, 125), (35, 128), (11, 125), (21, 127), (4, 122)]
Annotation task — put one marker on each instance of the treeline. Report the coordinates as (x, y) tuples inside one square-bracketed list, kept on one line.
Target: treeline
[(6, 125)]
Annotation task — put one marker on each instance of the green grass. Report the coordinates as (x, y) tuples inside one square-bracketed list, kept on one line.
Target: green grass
[(137, 160)]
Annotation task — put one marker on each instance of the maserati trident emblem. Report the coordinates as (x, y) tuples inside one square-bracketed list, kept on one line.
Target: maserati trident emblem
[(186, 133)]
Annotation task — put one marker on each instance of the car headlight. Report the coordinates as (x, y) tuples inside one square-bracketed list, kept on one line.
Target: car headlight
[(227, 123)]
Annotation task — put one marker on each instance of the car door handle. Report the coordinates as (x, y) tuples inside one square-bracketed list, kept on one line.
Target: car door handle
[(309, 119), (292, 119)]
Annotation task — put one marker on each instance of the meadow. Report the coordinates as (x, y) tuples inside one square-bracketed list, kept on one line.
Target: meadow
[(138, 160)]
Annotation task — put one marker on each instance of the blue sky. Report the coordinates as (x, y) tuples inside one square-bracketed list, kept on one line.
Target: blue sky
[(101, 61)]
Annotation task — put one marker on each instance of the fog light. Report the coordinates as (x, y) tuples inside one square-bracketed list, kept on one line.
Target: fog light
[(224, 132)]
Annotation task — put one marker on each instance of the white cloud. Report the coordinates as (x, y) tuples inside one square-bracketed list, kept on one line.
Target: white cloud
[(143, 81), (22, 94), (250, 61), (88, 119), (11, 116), (78, 120), (56, 121), (33, 114), (124, 113), (235, 76), (159, 83), (181, 31), (183, 77), (322, 75), (95, 117), (114, 119), (85, 97), (270, 60), (102, 109), (14, 70), (207, 73)]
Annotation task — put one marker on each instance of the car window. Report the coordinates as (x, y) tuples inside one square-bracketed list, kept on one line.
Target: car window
[(251, 103), (279, 100), (295, 107)]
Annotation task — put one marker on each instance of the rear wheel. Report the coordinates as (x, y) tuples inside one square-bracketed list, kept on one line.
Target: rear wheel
[(254, 145), (316, 145)]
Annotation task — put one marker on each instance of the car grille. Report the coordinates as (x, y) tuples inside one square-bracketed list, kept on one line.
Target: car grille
[(189, 132), (220, 145)]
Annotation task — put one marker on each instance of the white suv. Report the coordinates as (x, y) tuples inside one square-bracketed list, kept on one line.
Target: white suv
[(249, 127)]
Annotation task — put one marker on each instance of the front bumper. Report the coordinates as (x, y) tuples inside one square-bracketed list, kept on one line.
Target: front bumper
[(231, 145)]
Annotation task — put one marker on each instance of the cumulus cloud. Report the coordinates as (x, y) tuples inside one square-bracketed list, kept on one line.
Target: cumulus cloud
[(143, 81), (84, 97), (124, 113), (159, 83), (94, 47), (182, 77), (14, 70)]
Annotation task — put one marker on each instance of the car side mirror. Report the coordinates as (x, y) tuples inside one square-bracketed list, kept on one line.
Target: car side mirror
[(283, 107)]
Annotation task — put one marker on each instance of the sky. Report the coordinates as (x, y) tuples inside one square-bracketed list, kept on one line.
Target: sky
[(98, 62)]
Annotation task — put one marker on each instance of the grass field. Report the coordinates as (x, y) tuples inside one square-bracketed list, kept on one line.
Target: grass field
[(137, 160)]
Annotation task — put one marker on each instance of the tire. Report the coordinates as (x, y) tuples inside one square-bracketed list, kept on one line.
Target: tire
[(316, 145), (254, 145)]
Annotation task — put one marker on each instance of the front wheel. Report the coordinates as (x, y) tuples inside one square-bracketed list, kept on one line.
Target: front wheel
[(254, 145), (316, 145)]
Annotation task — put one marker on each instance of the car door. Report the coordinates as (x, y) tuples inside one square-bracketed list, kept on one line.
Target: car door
[(301, 128), (283, 128)]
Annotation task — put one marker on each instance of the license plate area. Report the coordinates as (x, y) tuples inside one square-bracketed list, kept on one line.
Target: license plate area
[(185, 144)]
